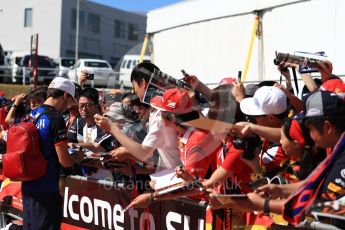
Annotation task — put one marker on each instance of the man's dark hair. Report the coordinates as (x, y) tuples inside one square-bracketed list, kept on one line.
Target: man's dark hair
[(130, 96), (143, 71), (282, 116), (305, 89), (54, 93), (338, 121), (90, 93), (40, 92), (222, 107), (78, 90), (266, 83)]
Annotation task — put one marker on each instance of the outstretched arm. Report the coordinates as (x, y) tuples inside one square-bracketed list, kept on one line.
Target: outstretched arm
[(139, 151)]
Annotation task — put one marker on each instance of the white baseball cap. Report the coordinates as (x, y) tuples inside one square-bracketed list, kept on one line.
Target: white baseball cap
[(266, 100), (63, 84)]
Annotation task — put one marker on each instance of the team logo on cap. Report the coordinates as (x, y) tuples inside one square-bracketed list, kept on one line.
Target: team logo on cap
[(313, 112), (171, 104)]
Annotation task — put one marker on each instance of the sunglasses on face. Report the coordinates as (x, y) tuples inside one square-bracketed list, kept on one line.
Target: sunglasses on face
[(85, 105)]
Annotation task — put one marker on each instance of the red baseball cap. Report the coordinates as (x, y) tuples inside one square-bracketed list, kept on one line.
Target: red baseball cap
[(173, 100), (227, 81), (336, 86)]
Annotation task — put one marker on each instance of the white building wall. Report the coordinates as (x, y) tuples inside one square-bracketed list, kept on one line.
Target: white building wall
[(52, 20), (46, 17), (103, 44)]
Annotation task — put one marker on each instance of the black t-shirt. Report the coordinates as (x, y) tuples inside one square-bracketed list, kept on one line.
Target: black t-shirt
[(334, 186), (74, 128), (96, 134), (52, 131)]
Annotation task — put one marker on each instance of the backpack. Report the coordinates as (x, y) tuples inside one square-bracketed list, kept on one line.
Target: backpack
[(24, 160), (3, 114)]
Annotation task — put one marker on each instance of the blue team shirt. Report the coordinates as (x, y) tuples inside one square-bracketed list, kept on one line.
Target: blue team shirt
[(52, 131)]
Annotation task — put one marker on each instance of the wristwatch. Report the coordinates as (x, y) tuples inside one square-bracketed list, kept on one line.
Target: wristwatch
[(267, 206)]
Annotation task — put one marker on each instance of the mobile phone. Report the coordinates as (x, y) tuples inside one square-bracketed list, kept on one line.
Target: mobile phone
[(184, 73), (239, 75), (90, 76)]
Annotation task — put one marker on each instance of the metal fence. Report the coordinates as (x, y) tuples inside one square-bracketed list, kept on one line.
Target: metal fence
[(23, 75)]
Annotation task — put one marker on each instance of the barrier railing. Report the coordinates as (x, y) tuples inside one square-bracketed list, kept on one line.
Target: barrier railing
[(99, 204)]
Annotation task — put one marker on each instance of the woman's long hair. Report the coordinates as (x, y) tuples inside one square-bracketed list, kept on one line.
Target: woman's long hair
[(311, 156), (224, 107)]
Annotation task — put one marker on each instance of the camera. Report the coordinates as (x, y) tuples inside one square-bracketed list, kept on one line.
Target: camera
[(307, 62), (248, 144), (90, 76)]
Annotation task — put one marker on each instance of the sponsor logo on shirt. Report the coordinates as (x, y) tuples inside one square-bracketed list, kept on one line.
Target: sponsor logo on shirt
[(342, 173)]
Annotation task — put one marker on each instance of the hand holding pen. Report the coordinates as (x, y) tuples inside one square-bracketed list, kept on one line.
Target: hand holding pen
[(177, 170)]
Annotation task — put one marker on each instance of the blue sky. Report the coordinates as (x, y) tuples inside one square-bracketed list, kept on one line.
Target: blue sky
[(136, 5)]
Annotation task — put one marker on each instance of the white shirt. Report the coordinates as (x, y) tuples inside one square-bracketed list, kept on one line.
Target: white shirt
[(164, 139)]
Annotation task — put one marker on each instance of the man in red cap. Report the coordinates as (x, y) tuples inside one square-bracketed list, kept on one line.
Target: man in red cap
[(159, 137), (197, 148)]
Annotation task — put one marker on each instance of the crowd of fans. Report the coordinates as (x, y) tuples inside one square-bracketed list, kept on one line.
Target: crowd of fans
[(276, 135)]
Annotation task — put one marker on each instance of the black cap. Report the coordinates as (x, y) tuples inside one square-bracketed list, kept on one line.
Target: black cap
[(323, 103)]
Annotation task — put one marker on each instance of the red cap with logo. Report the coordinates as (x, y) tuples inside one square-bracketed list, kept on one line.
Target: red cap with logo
[(335, 86), (173, 100), (227, 81)]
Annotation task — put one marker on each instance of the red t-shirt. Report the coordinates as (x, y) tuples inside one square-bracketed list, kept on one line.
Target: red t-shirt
[(272, 157), (198, 152), (241, 172)]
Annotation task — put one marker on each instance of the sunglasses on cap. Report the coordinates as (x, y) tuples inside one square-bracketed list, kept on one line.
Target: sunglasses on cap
[(167, 115)]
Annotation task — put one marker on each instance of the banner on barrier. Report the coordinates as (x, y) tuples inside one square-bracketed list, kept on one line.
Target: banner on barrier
[(92, 205)]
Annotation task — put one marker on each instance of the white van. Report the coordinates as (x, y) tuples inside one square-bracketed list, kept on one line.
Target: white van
[(129, 61)]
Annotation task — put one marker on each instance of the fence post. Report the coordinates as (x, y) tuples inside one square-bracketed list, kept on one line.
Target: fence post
[(24, 73), (2, 220)]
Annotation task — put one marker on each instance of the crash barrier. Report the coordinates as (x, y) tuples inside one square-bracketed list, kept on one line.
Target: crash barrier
[(99, 204), (91, 204)]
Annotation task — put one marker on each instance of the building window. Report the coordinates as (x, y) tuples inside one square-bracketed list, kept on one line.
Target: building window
[(81, 19), (120, 30), (28, 17), (94, 23), (132, 32)]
